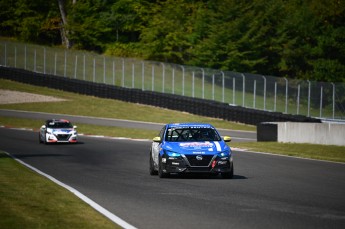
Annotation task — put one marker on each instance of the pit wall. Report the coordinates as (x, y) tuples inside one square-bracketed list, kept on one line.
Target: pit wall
[(294, 132)]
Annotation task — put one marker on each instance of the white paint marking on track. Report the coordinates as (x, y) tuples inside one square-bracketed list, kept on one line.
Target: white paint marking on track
[(84, 198)]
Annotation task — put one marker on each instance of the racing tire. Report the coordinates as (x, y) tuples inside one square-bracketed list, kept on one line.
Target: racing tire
[(45, 139), (229, 175), (152, 168), (161, 173)]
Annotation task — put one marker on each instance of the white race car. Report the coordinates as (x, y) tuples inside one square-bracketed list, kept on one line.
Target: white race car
[(57, 130)]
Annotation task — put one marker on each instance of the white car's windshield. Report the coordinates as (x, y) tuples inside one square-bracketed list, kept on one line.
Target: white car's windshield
[(59, 125), (191, 134)]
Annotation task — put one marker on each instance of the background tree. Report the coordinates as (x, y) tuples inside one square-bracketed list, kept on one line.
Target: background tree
[(287, 38)]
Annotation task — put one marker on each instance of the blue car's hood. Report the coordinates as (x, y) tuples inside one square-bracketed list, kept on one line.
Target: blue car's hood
[(206, 147)]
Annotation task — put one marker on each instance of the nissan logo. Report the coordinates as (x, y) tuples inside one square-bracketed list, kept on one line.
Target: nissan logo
[(199, 157)]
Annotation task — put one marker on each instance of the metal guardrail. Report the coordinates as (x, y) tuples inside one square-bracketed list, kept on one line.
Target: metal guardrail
[(202, 107), (268, 93)]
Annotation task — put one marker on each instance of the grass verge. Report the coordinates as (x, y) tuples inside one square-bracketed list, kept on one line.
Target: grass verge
[(312, 151), (77, 104), (29, 200)]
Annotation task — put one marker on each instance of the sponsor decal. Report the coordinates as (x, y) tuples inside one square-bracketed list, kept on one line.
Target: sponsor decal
[(222, 162), (198, 152), (196, 144)]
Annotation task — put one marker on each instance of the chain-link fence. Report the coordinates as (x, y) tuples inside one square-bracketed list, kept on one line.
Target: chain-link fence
[(309, 98)]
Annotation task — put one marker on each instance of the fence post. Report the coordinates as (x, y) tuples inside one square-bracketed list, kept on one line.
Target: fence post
[(193, 84), (264, 92), (5, 55), (15, 56), (65, 66), (298, 95), (76, 66), (203, 83), (173, 80), (244, 89), (223, 86), (25, 57), (35, 60), (123, 72), (213, 87), (104, 69), (234, 91), (142, 75), (286, 94), (275, 96), (84, 65), (333, 98), (153, 78), (321, 97), (55, 59), (163, 77), (94, 69), (114, 80), (182, 79), (44, 60), (133, 72), (308, 98), (254, 94)]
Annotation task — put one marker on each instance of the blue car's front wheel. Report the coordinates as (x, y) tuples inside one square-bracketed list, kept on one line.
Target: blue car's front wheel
[(152, 168), (229, 175)]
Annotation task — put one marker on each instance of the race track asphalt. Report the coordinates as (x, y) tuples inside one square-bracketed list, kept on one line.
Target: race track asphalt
[(267, 191)]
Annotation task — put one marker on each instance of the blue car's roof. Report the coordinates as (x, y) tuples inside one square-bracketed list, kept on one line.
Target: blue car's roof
[(189, 125)]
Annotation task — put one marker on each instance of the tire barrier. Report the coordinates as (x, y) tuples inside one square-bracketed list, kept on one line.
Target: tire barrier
[(196, 106)]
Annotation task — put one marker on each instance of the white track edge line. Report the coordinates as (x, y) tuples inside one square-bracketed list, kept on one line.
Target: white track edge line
[(84, 198)]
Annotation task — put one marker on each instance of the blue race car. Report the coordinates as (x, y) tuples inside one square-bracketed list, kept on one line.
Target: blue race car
[(190, 148)]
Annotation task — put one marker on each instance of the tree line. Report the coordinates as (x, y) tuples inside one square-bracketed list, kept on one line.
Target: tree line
[(302, 39)]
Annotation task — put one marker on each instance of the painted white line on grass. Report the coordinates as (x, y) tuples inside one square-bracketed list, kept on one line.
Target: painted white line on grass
[(84, 198)]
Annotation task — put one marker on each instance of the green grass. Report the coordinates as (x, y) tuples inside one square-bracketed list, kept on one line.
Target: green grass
[(85, 129), (29, 200), (96, 107), (312, 151)]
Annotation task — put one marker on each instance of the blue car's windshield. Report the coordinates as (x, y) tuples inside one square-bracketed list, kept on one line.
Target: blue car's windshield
[(191, 135)]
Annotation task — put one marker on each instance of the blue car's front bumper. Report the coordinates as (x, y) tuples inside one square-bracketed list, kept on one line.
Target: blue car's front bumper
[(196, 164)]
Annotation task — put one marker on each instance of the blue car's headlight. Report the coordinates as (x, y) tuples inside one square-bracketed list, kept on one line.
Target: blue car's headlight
[(224, 154), (173, 154)]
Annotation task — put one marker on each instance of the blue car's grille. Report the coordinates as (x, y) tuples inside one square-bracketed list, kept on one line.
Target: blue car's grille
[(199, 160)]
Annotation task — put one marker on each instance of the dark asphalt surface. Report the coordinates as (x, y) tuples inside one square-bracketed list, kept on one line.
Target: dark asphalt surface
[(235, 135), (267, 191)]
